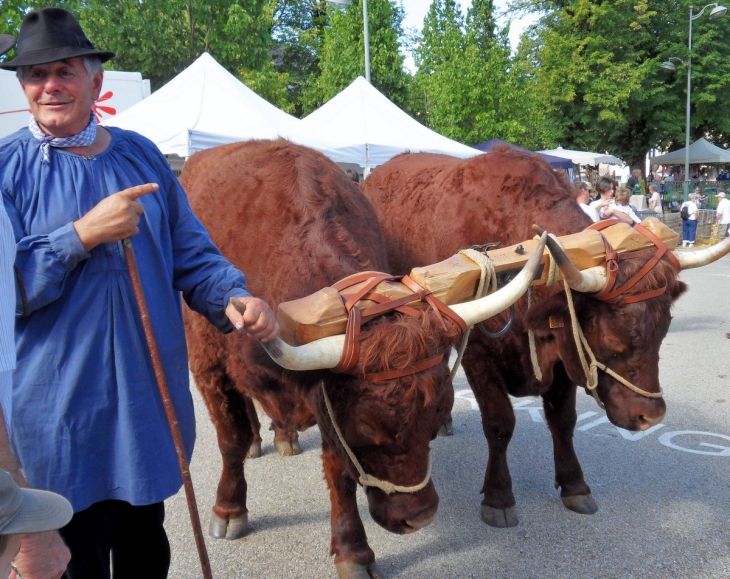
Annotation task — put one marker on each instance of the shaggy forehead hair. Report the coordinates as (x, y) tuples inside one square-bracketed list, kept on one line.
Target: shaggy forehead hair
[(397, 342), (92, 64)]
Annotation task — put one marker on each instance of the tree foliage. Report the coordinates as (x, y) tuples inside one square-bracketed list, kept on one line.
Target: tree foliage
[(342, 57), (600, 76), (160, 38), (468, 85)]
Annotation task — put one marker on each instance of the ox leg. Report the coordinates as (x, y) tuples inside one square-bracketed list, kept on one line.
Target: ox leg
[(354, 559), (498, 422), (229, 411), (560, 414), (254, 450), (286, 441)]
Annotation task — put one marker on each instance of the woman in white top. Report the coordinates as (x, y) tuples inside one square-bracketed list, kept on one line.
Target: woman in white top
[(605, 204)]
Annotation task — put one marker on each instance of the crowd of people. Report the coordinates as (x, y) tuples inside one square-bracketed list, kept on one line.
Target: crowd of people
[(83, 413), (613, 202)]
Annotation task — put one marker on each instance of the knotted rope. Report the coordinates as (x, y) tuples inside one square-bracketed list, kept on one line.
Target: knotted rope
[(487, 284), (367, 480)]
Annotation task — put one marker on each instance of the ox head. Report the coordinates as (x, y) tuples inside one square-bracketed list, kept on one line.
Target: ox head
[(389, 423), (624, 336)]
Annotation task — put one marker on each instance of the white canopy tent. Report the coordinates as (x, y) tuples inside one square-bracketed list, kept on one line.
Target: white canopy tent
[(376, 128), (584, 157), (205, 106), (701, 151)]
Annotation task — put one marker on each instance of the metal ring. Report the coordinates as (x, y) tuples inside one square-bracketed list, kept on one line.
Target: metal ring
[(504, 330)]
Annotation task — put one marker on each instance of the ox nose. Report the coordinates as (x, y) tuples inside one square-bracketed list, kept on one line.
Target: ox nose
[(646, 416), (424, 519)]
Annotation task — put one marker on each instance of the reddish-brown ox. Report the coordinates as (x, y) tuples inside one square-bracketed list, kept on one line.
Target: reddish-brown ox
[(430, 206), (295, 223)]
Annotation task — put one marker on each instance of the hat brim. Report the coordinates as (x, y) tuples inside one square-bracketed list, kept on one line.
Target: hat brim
[(41, 511), (6, 43), (46, 55)]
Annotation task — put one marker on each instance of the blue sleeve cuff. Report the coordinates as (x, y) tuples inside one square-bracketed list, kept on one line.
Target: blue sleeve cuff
[(67, 246)]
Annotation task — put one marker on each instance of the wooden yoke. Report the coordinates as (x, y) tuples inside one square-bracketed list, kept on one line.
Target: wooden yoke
[(456, 279)]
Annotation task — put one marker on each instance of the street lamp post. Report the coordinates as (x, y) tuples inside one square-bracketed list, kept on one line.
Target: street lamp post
[(366, 35), (669, 65)]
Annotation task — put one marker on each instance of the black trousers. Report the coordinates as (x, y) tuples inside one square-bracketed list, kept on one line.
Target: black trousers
[(114, 534)]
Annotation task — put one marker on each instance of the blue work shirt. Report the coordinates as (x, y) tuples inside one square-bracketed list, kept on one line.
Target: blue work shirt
[(88, 421)]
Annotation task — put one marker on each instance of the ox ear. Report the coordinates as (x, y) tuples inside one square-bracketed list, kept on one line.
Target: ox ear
[(553, 313)]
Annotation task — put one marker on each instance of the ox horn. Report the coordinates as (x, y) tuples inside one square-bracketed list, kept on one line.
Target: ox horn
[(326, 352), (690, 259), (589, 280), (488, 306)]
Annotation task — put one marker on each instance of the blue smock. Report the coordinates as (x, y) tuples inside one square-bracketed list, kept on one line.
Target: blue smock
[(88, 421)]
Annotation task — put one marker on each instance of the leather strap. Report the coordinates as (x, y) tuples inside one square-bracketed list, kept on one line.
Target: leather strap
[(613, 296), (351, 349), (353, 335), (438, 306), (415, 369)]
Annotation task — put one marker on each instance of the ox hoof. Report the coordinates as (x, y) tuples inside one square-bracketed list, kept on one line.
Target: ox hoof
[(447, 429), (350, 570), (254, 451), (500, 518), (231, 530), (583, 504), (286, 448)]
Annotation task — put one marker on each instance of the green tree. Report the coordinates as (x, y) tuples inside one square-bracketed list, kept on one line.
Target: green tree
[(297, 31), (342, 58), (468, 86), (161, 38), (598, 71)]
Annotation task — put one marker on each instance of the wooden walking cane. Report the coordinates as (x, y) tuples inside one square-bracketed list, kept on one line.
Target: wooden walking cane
[(169, 409)]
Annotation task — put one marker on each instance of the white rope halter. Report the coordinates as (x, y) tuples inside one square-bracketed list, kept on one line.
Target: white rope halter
[(367, 480)]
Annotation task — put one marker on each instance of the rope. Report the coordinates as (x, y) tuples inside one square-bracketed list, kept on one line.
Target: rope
[(367, 480), (488, 278), (581, 344), (551, 280)]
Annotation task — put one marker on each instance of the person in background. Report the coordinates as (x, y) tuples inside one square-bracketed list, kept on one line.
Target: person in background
[(689, 225), (24, 512), (634, 180), (605, 204), (354, 175), (43, 555), (623, 195), (655, 199), (723, 215), (87, 419), (700, 198), (583, 198)]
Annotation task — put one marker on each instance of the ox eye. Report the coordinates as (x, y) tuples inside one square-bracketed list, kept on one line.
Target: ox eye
[(366, 430), (614, 344)]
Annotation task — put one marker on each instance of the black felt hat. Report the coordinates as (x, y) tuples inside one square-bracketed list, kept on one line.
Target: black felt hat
[(49, 35), (6, 43)]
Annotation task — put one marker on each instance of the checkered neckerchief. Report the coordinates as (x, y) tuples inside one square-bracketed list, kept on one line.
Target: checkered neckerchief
[(82, 139)]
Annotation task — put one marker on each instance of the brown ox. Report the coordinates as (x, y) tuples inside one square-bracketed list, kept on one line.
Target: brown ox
[(295, 223), (430, 206)]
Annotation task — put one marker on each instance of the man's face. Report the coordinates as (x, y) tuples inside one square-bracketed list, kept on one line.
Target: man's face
[(60, 95)]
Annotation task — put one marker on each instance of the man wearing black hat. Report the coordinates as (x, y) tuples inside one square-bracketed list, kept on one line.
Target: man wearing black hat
[(42, 555), (87, 419)]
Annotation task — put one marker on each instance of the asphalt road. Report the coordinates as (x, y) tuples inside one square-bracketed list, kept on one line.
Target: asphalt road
[(663, 495)]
